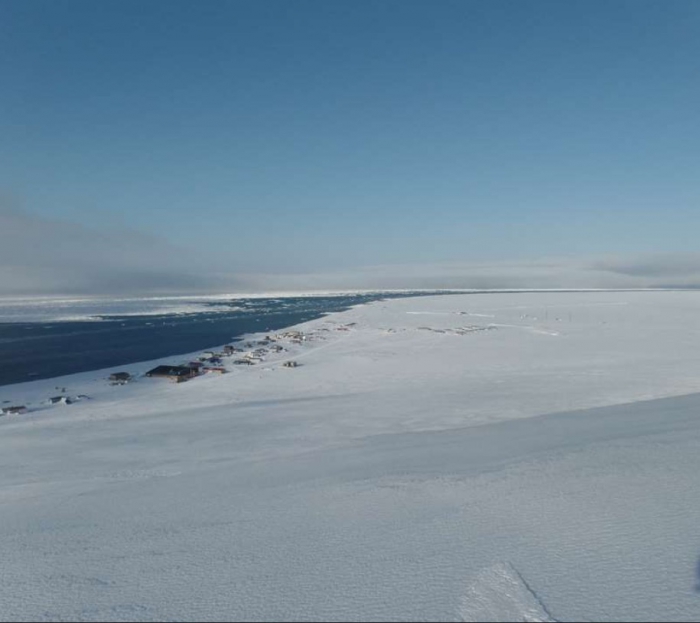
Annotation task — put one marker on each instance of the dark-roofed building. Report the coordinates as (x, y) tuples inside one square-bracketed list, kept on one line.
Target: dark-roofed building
[(120, 377), (14, 410), (173, 373)]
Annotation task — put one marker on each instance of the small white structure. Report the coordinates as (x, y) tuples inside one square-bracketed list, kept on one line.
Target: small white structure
[(63, 400)]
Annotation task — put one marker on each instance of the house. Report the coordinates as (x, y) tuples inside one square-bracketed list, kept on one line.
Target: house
[(177, 374), (14, 410), (290, 364), (195, 365), (60, 400), (217, 370), (230, 349), (119, 378)]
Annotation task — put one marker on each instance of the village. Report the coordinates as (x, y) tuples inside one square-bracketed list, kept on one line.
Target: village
[(274, 349)]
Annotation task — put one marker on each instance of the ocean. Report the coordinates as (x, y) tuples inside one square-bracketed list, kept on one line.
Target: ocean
[(45, 348)]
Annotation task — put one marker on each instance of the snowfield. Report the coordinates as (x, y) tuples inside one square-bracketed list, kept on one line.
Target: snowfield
[(514, 456)]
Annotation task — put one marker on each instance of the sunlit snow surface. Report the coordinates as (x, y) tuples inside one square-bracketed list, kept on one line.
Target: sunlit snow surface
[(524, 457)]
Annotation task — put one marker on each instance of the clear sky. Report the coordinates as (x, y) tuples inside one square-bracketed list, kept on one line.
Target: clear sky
[(306, 136)]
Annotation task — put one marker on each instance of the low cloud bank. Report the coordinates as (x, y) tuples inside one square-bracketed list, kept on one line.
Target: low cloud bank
[(39, 256), (641, 272), (43, 256)]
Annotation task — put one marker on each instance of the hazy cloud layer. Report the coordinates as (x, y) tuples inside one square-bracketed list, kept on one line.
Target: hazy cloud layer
[(41, 256), (642, 272)]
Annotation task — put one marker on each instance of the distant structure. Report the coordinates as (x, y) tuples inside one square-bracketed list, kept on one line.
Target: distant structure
[(215, 370), (65, 400), (177, 374), (290, 364), (14, 410), (119, 378)]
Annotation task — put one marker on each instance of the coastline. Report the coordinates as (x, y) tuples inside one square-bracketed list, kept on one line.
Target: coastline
[(555, 398), (98, 335)]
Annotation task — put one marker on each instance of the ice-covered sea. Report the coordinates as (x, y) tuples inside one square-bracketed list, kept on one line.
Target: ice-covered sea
[(513, 456)]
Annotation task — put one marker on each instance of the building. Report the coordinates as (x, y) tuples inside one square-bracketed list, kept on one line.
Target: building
[(65, 400), (14, 410), (217, 370), (177, 374), (120, 377)]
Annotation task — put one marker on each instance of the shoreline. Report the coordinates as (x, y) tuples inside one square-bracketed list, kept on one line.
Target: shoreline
[(94, 380), (117, 335)]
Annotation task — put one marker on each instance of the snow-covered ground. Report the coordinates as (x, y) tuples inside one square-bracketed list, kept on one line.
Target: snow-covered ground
[(522, 456)]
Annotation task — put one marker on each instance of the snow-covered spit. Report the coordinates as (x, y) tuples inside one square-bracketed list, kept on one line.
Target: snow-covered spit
[(521, 456)]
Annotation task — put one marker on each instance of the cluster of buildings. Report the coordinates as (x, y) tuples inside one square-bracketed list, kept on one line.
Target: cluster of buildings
[(54, 400), (210, 362)]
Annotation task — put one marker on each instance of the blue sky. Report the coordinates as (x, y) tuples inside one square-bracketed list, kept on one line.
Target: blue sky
[(306, 136)]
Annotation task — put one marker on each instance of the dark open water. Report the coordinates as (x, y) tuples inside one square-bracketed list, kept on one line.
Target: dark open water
[(40, 350)]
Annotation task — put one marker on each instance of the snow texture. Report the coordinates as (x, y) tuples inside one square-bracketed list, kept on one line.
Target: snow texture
[(501, 594), (410, 468)]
